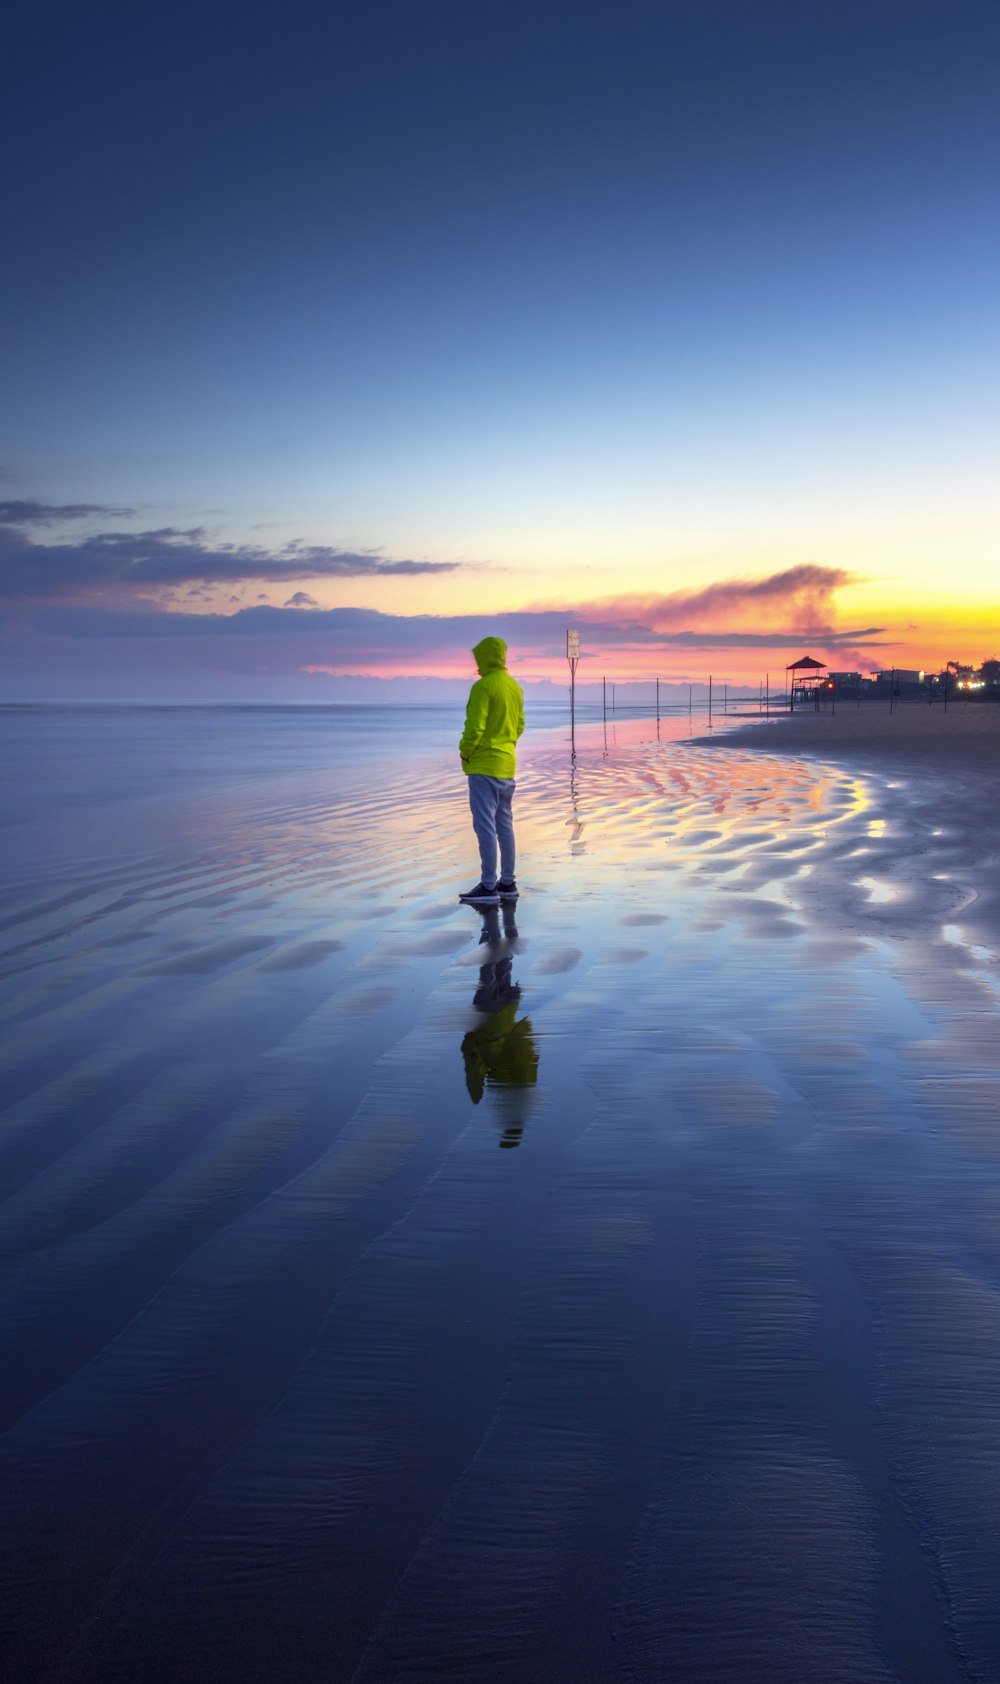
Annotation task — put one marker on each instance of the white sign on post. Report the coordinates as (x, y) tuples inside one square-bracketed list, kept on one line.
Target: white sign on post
[(572, 656)]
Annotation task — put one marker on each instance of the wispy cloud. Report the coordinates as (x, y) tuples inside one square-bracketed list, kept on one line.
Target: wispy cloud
[(803, 597), (771, 612), (130, 564), (21, 512)]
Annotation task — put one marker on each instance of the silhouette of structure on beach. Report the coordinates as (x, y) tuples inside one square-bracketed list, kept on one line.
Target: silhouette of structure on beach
[(803, 679)]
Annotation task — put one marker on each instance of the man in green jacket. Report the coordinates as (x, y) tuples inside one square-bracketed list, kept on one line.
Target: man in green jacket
[(494, 719)]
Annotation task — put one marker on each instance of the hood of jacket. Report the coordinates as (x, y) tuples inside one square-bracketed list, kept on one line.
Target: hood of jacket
[(490, 654)]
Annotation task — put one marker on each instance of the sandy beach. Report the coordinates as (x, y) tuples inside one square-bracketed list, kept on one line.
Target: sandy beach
[(607, 1288), (937, 736)]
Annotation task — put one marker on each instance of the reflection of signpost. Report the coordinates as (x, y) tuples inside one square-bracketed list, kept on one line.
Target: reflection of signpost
[(572, 656)]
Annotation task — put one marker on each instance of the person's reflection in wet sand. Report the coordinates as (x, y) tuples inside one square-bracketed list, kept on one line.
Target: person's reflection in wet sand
[(500, 1056)]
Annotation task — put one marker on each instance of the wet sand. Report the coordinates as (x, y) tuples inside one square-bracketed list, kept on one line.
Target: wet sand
[(603, 1289), (939, 773)]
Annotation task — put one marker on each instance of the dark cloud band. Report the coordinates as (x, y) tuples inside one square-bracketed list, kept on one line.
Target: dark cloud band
[(19, 512), (132, 563), (349, 632)]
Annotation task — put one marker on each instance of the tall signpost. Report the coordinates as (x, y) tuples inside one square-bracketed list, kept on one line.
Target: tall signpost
[(572, 656)]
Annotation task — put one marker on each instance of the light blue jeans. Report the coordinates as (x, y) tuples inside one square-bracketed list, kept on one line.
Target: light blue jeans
[(491, 800)]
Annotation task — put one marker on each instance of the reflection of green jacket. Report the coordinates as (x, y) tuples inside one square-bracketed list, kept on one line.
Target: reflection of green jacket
[(501, 1052), (494, 718)]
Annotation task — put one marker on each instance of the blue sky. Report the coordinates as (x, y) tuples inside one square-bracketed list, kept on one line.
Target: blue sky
[(579, 300)]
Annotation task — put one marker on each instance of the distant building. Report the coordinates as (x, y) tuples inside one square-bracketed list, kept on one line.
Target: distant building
[(898, 676), (907, 683)]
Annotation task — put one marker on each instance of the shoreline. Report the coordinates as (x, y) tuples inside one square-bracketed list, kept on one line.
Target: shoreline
[(932, 780), (970, 731)]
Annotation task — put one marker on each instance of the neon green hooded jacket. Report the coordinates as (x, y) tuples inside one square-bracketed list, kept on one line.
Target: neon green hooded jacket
[(500, 1053), (494, 718)]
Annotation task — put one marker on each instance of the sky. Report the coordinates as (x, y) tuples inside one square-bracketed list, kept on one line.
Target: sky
[(335, 337)]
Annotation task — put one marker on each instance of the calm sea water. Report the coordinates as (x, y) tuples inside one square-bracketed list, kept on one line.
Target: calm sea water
[(607, 1288)]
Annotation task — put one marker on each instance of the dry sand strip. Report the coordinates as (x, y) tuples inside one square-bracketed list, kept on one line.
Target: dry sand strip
[(965, 732), (934, 775)]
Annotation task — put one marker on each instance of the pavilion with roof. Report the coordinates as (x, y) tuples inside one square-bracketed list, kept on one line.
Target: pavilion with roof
[(803, 678)]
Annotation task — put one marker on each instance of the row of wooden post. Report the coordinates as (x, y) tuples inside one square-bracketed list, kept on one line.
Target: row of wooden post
[(764, 699)]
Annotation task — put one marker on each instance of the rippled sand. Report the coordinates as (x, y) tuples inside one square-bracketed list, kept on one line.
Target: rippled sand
[(607, 1288)]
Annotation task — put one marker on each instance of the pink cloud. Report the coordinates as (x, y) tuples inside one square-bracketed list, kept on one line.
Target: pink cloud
[(802, 598)]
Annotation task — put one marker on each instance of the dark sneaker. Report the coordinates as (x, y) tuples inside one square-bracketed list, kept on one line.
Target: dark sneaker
[(481, 896), (507, 891)]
